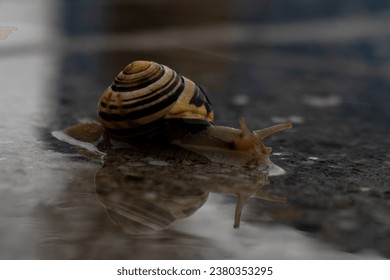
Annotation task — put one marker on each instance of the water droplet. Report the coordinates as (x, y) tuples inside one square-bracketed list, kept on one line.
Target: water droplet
[(279, 119), (296, 119), (240, 100), (275, 170), (281, 154), (322, 101), (293, 118)]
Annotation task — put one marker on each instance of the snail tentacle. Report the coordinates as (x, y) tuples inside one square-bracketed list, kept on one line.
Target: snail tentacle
[(265, 132)]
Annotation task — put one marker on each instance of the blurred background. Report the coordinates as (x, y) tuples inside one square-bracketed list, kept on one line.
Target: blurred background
[(323, 65)]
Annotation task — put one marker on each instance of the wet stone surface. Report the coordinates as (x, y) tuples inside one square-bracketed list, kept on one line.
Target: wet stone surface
[(270, 63)]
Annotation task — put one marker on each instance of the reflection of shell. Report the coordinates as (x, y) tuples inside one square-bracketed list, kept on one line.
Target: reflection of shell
[(144, 194), (145, 95), (138, 208)]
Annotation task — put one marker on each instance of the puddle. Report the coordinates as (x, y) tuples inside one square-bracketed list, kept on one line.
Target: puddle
[(146, 187)]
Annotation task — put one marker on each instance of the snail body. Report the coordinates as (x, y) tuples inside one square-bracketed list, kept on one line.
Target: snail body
[(152, 102)]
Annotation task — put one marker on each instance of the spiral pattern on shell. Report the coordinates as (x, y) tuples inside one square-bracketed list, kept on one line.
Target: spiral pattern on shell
[(146, 95)]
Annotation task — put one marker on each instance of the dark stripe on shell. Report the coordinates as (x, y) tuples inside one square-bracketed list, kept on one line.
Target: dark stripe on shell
[(125, 78), (151, 64), (207, 104), (145, 111), (200, 99), (164, 91), (120, 86), (175, 79)]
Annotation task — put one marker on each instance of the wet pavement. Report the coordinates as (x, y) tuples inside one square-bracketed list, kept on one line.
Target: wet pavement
[(324, 66)]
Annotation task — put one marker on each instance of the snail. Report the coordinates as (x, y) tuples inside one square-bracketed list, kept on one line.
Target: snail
[(151, 102), (146, 185)]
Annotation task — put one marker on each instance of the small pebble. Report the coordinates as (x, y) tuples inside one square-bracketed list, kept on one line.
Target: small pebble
[(201, 177), (280, 154), (150, 195), (158, 163), (307, 162), (312, 158)]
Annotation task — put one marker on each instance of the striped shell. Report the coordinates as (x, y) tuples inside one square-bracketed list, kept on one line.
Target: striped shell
[(146, 97)]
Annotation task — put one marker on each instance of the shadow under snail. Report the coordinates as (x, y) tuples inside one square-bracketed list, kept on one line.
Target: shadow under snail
[(151, 102)]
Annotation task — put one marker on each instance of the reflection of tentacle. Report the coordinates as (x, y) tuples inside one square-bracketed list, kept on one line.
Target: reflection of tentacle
[(241, 201)]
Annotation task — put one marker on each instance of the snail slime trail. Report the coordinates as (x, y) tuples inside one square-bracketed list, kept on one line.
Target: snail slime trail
[(151, 102)]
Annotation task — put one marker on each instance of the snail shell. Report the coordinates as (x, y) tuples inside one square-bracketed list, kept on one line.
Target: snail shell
[(146, 97), (151, 101)]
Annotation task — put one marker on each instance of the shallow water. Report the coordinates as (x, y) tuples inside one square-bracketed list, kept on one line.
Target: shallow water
[(326, 70)]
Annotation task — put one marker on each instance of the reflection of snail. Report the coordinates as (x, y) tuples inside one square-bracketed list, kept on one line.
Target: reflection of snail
[(151, 101), (143, 195)]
